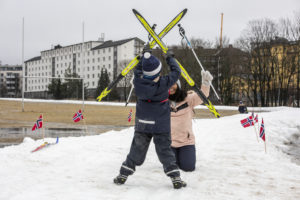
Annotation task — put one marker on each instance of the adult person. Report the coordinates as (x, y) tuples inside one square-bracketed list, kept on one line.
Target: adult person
[(182, 112)]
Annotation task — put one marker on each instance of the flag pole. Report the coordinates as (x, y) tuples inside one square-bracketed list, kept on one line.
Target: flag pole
[(265, 145), (86, 131), (43, 128)]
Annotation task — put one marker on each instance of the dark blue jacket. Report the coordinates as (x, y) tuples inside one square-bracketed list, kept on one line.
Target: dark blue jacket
[(153, 115)]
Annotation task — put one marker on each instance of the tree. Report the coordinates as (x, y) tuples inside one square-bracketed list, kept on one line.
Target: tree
[(55, 88), (73, 87), (103, 82), (70, 88), (125, 82)]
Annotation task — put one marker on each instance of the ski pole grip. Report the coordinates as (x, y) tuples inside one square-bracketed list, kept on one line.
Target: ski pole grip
[(181, 30)]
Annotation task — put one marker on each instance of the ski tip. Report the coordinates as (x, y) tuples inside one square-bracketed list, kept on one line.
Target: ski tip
[(135, 11)]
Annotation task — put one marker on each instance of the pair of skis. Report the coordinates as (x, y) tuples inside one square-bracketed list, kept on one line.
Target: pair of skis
[(157, 40), (184, 73), (135, 61), (45, 144)]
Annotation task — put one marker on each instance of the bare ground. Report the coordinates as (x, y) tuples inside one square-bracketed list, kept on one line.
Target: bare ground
[(11, 114), (98, 117)]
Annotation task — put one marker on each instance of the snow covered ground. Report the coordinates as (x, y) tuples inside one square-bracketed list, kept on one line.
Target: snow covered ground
[(231, 164)]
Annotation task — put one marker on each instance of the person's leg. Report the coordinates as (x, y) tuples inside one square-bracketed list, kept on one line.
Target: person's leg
[(166, 156), (175, 150), (136, 156), (187, 158)]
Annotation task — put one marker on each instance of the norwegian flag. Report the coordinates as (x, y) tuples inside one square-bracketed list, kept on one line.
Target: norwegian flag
[(77, 116), (247, 122), (256, 118), (262, 130), (38, 124), (130, 115)]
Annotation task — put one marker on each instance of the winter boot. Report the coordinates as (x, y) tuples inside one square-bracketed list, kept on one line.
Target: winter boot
[(120, 179), (177, 182)]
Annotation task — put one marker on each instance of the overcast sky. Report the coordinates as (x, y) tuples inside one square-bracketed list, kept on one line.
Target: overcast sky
[(52, 22)]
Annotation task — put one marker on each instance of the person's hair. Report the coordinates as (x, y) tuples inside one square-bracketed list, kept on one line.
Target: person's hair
[(178, 96)]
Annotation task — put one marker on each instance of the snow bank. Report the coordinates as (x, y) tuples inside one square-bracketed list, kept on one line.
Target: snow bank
[(231, 164)]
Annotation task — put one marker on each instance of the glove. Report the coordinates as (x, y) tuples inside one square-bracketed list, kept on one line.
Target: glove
[(206, 78), (170, 53), (147, 48)]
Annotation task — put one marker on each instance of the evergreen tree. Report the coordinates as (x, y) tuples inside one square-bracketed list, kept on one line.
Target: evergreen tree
[(73, 87), (54, 88)]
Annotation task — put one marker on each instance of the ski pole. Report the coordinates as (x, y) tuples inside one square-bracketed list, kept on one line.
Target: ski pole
[(182, 33), (132, 86)]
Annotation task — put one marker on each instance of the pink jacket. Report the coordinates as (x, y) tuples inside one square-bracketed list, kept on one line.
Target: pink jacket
[(181, 121)]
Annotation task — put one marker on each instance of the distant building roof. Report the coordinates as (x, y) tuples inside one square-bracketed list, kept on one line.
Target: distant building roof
[(34, 59), (111, 43)]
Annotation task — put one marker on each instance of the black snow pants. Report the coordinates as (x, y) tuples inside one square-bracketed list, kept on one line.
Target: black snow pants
[(139, 148)]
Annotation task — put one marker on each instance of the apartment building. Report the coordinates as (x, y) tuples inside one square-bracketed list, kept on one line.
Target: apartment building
[(86, 59), (10, 81)]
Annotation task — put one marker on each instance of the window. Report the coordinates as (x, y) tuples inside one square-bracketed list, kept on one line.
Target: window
[(88, 53), (103, 50), (98, 51), (109, 57), (93, 52), (109, 49), (103, 58), (93, 60), (98, 66), (98, 75), (88, 61), (93, 68), (108, 66), (93, 75), (98, 59), (88, 76), (93, 83), (88, 68)]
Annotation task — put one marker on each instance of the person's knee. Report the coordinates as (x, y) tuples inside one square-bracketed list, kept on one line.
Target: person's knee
[(187, 167)]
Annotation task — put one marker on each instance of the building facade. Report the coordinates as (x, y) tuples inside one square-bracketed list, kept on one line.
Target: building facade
[(85, 59), (10, 80)]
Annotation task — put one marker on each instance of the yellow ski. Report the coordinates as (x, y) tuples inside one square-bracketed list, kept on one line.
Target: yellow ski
[(135, 61), (184, 73)]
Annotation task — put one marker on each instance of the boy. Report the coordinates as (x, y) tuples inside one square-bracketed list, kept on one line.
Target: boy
[(152, 118)]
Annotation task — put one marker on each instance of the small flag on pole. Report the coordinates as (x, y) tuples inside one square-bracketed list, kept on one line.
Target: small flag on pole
[(262, 130), (247, 122), (130, 115), (77, 116), (256, 119), (38, 124)]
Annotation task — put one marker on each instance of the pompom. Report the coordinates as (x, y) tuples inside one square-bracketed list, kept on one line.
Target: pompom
[(147, 55)]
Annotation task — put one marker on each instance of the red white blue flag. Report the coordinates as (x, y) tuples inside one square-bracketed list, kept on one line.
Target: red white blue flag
[(247, 122), (256, 118), (77, 116), (130, 115), (262, 130), (38, 124)]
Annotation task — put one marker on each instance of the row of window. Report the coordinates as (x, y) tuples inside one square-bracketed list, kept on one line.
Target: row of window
[(70, 64), (84, 61), (43, 87)]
